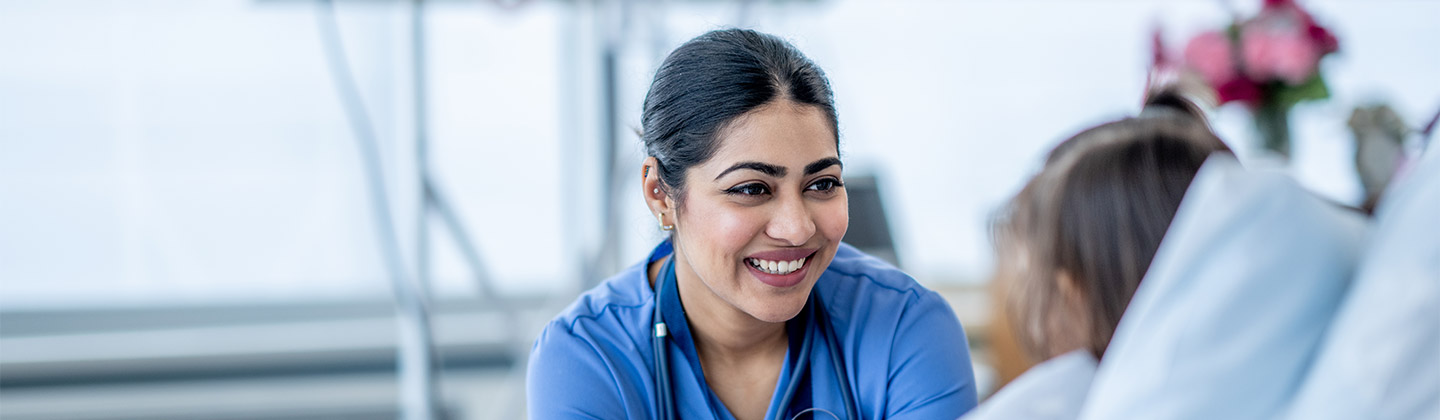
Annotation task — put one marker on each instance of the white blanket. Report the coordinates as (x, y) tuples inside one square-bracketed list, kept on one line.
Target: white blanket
[(1053, 390), (1381, 357), (1229, 317)]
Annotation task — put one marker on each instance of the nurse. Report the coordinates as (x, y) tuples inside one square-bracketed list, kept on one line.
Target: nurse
[(752, 308)]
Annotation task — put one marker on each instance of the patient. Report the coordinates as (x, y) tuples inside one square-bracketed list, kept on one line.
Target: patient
[(1075, 242)]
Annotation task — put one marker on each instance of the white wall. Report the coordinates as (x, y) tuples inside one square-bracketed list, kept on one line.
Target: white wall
[(195, 152)]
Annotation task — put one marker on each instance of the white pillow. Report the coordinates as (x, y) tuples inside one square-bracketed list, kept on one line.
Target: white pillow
[(1381, 357), (1235, 303)]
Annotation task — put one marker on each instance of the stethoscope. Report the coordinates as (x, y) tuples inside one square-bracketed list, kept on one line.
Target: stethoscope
[(665, 391)]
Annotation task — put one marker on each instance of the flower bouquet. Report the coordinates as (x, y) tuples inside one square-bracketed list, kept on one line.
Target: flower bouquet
[(1268, 62)]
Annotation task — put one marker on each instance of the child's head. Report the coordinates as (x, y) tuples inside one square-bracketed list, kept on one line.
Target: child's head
[(1077, 239)]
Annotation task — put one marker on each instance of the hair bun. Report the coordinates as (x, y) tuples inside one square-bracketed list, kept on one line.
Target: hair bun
[(1182, 96)]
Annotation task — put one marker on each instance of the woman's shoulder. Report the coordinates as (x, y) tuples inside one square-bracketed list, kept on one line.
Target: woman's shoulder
[(866, 292), (613, 304), (597, 343), (904, 335), (853, 273), (618, 308)]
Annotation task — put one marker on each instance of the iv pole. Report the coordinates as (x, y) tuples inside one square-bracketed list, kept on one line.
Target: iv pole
[(417, 356)]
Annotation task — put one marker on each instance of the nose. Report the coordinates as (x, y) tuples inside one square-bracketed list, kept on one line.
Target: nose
[(791, 222)]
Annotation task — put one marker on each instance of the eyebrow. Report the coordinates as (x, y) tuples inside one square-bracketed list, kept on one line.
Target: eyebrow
[(821, 164), (765, 168), (780, 171)]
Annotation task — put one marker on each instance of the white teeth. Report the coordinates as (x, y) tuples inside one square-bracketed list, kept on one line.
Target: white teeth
[(777, 267)]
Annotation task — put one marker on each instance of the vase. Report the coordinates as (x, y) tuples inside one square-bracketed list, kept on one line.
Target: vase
[(1272, 122)]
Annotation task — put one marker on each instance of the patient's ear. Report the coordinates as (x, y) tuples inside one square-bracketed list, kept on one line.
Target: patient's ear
[(1069, 289), (1073, 329)]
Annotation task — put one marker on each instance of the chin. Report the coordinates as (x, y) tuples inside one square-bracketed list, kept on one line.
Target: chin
[(776, 317), (776, 309)]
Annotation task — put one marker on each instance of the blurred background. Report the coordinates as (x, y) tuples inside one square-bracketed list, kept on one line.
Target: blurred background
[(229, 209)]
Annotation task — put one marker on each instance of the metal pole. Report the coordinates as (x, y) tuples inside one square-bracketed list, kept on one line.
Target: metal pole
[(414, 348), (419, 389), (605, 260)]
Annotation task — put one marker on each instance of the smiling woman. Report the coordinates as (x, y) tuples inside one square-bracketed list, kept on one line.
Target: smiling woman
[(753, 307)]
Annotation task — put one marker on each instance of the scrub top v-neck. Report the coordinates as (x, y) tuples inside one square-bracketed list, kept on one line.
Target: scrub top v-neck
[(681, 347), (903, 350)]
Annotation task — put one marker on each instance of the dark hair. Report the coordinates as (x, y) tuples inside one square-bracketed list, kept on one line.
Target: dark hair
[(711, 81), (1095, 216)]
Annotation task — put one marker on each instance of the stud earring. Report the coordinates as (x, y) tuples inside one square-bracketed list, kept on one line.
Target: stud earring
[(657, 190)]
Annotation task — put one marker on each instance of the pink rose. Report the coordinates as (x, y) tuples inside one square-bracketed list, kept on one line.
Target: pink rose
[(1282, 43), (1209, 54), (1317, 34), (1322, 37), (1286, 56)]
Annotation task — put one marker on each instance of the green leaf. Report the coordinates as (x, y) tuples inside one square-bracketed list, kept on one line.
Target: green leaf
[(1287, 96)]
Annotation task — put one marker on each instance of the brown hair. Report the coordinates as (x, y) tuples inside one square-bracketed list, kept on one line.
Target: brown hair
[(1074, 243)]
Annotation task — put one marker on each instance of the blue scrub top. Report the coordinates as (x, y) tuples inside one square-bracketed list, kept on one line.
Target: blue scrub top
[(902, 346)]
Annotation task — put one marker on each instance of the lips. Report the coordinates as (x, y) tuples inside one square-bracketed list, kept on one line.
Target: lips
[(780, 268)]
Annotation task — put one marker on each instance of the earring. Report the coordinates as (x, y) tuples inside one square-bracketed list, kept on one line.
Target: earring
[(660, 217), (657, 190)]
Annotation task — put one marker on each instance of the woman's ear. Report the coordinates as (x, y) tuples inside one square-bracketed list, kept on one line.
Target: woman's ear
[(655, 192)]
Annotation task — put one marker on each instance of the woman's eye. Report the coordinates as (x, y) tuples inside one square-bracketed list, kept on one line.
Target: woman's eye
[(750, 189), (824, 185)]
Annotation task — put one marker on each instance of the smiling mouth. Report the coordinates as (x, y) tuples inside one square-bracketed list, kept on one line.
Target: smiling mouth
[(776, 267)]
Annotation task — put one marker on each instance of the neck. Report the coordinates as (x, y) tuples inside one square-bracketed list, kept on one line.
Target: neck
[(722, 332), (734, 338)]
